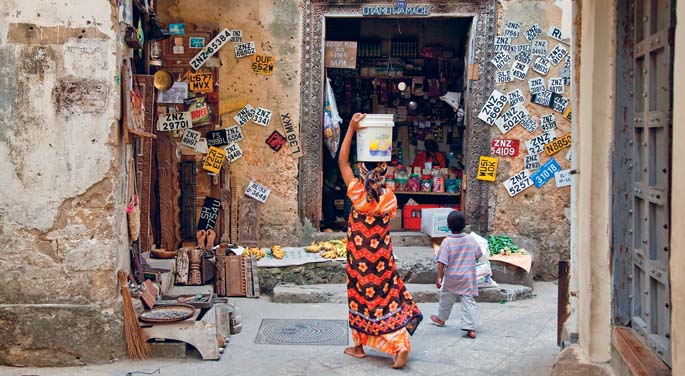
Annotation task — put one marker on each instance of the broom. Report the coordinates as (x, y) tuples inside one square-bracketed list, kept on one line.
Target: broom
[(136, 347)]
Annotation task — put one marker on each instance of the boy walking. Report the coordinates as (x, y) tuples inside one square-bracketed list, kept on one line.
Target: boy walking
[(456, 260)]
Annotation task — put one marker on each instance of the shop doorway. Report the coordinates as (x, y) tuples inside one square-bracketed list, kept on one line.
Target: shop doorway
[(416, 70)]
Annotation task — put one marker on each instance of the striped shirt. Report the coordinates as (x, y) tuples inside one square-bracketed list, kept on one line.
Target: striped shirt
[(459, 253), (387, 203)]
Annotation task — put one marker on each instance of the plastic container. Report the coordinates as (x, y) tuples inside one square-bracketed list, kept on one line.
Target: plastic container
[(374, 138), (414, 183), (411, 215), (426, 183), (438, 183), (434, 222), (401, 179), (390, 182)]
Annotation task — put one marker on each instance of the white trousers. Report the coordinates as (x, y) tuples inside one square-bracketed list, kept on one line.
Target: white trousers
[(468, 309)]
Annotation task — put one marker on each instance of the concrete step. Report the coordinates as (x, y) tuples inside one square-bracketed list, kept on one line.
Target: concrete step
[(422, 293)]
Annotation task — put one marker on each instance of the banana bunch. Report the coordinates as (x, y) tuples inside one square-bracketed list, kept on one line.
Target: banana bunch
[(277, 252), (331, 249), (257, 252), (330, 254), (314, 248)]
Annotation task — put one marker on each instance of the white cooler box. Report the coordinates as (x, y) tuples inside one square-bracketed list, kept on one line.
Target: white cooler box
[(434, 222)]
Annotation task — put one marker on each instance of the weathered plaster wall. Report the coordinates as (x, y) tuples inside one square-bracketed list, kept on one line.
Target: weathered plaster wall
[(678, 201), (538, 217), (62, 223), (274, 26)]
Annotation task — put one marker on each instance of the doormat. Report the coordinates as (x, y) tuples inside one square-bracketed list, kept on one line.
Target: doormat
[(303, 332)]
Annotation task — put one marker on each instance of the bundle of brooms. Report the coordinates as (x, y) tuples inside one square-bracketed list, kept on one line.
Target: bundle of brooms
[(136, 346)]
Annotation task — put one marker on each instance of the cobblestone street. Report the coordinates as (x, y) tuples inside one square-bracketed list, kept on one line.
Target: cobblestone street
[(516, 338)]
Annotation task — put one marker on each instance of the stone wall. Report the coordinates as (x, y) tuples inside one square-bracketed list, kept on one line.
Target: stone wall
[(274, 26), (539, 217), (62, 219)]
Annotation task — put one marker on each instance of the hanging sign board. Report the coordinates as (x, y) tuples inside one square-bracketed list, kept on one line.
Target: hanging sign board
[(531, 162), (557, 55), (263, 64), (560, 104), (276, 141), (548, 122), (217, 138), (388, 10), (557, 145), (518, 183), (262, 116), (529, 124), (214, 159), (487, 168), (209, 214), (539, 47), (504, 147), (244, 49), (257, 191), (233, 134), (533, 32), (244, 115), (190, 138), (174, 121), (554, 33), (500, 60), (510, 118), (562, 178), (545, 173), (201, 82), (340, 54), (512, 29), (233, 152), (537, 144), (492, 108), (292, 135), (210, 49), (516, 97)]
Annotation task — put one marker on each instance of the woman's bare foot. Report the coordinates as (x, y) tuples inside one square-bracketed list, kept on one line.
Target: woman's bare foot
[(356, 351), (471, 334), (401, 359)]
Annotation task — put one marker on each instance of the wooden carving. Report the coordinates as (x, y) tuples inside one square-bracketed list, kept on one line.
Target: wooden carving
[(144, 161), (182, 266), (226, 204), (249, 224), (188, 194), (220, 283), (169, 192), (233, 191)]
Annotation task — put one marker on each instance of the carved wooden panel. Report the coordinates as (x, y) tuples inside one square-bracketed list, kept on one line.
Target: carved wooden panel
[(169, 192), (144, 161), (188, 203), (249, 224)]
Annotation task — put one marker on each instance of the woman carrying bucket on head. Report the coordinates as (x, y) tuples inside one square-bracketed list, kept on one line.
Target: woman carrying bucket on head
[(382, 314)]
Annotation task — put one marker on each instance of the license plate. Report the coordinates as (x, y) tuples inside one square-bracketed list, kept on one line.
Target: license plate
[(214, 159), (210, 49), (511, 118), (504, 147), (545, 173), (263, 64), (174, 121), (201, 82), (487, 169), (537, 144), (557, 145), (518, 183), (492, 108)]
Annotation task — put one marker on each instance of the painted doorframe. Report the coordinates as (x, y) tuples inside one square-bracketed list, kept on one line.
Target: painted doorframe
[(483, 29)]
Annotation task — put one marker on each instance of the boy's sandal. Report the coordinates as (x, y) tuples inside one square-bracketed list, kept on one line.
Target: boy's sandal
[(471, 334)]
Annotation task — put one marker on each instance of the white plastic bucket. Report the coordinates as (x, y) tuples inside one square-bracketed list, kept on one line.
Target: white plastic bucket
[(374, 138)]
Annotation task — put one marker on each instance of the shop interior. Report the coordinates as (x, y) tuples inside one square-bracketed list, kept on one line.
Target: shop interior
[(415, 70)]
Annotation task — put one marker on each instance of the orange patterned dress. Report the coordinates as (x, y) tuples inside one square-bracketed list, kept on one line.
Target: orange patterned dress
[(382, 313)]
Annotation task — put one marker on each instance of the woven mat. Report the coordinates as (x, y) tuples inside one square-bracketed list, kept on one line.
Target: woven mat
[(303, 332)]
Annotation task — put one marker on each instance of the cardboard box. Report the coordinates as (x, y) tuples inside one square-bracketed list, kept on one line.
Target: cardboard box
[(434, 222), (396, 223)]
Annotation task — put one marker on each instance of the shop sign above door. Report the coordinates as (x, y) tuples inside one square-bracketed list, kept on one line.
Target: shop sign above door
[(385, 10)]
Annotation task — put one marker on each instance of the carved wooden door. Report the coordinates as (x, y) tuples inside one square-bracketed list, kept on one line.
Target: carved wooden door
[(653, 67)]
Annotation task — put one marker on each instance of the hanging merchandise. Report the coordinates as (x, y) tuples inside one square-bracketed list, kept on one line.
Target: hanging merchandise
[(133, 207), (331, 120)]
